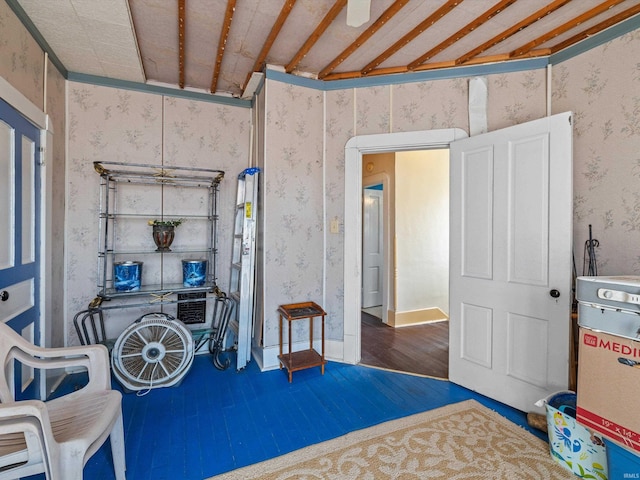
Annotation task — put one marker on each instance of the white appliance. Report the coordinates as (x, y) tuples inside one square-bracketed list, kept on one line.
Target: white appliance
[(610, 304)]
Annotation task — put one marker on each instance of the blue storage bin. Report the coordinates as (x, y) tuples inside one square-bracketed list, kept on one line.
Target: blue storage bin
[(194, 273), (623, 463), (127, 276)]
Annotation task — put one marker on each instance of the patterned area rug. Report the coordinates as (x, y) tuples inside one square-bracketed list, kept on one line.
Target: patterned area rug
[(461, 441)]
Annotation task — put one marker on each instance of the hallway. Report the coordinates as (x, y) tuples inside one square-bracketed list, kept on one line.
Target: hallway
[(420, 349)]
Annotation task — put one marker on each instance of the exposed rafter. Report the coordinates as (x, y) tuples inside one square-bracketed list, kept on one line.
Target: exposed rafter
[(527, 47), (622, 16), (181, 42), (222, 43), (313, 38), (466, 30), (364, 36), (502, 36), (421, 27), (273, 34)]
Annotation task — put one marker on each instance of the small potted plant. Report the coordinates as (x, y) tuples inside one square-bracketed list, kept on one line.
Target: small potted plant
[(163, 233)]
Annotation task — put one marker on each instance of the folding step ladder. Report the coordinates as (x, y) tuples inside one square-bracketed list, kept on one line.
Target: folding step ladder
[(241, 285)]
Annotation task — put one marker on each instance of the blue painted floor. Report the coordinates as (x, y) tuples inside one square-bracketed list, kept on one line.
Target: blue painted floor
[(216, 421)]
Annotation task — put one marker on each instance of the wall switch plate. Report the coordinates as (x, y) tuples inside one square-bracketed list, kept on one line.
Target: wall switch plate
[(335, 225)]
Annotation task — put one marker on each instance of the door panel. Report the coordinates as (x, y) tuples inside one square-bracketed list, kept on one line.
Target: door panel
[(528, 166), (477, 213), (475, 337), (20, 299), (20, 234), (27, 223), (7, 169), (511, 212), (523, 330)]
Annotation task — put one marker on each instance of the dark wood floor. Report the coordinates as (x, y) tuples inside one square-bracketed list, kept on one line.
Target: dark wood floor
[(421, 349)]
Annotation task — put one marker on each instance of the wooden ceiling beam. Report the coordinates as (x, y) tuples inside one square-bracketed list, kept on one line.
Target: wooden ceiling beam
[(503, 57), (387, 71), (317, 33), (273, 34), (531, 53), (421, 27), (502, 36), (181, 42), (222, 43), (364, 36), (527, 47), (435, 66), (343, 75), (464, 31), (630, 12)]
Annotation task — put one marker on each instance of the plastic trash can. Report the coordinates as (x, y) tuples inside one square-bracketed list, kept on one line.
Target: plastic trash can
[(571, 445)]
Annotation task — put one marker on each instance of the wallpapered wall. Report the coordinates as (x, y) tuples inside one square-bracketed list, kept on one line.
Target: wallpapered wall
[(21, 59), (56, 108), (293, 202), (22, 64), (293, 261), (602, 88), (305, 133), (107, 124)]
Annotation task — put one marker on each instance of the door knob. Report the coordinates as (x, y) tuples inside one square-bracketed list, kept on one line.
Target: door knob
[(4, 295), (554, 293)]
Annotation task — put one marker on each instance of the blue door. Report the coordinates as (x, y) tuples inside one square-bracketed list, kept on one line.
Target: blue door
[(20, 234)]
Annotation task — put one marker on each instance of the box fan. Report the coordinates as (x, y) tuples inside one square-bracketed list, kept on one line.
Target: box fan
[(155, 351)]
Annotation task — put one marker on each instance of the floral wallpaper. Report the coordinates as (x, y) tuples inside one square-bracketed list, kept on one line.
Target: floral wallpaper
[(107, 124), (22, 65), (339, 128), (602, 88), (21, 59), (301, 148), (56, 108), (430, 105), (293, 202)]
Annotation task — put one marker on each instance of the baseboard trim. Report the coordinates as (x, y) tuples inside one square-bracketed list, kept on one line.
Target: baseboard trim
[(419, 317), (267, 357)]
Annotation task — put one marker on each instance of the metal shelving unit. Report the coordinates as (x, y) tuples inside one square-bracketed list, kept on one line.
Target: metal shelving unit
[(189, 194), (132, 195)]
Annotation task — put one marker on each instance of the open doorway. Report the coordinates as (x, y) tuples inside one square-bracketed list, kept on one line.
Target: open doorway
[(355, 148), (405, 257)]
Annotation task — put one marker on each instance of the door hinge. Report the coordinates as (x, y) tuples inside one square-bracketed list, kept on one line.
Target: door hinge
[(41, 150)]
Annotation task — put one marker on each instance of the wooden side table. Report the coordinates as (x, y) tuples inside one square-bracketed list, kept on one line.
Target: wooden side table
[(302, 359)]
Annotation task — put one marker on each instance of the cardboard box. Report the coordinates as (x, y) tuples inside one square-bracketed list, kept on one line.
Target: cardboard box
[(609, 386)]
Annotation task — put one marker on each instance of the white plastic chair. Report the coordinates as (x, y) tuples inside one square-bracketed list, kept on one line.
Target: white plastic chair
[(57, 437)]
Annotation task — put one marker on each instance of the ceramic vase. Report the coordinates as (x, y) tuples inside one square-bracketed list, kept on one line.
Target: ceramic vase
[(163, 237)]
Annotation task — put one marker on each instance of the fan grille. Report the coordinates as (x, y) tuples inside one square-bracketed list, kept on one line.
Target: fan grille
[(152, 353)]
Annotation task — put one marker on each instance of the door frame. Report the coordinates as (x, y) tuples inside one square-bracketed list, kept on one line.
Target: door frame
[(41, 120), (354, 149)]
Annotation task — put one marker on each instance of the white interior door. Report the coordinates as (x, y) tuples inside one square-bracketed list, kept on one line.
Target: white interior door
[(372, 248), (511, 216)]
